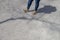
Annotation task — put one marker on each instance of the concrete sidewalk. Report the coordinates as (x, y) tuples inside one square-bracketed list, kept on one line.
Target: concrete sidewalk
[(16, 25)]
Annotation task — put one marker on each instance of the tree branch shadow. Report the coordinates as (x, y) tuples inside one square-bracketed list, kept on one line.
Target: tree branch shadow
[(47, 9), (12, 19)]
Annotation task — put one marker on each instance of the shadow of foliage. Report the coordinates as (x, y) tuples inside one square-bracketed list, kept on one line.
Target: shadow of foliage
[(47, 9)]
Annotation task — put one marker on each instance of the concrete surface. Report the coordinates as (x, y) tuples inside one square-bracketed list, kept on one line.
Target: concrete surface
[(16, 25)]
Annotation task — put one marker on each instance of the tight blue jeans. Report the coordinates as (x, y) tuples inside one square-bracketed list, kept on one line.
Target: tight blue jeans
[(36, 4)]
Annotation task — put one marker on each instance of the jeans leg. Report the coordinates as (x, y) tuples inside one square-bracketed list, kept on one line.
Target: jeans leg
[(29, 3), (36, 4)]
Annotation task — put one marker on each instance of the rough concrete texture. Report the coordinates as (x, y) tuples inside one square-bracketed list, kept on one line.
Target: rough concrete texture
[(16, 25)]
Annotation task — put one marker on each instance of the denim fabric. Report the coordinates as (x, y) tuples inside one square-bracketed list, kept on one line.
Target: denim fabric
[(36, 4)]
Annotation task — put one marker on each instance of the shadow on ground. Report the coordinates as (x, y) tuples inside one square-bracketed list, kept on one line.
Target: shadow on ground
[(47, 9), (12, 19)]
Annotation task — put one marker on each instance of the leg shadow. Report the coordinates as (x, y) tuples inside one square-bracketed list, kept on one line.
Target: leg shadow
[(47, 9)]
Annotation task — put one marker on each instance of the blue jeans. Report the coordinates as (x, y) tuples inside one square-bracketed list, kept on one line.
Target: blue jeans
[(36, 4)]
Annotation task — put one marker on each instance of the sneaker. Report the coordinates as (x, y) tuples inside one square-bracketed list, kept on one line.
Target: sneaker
[(34, 12), (25, 10)]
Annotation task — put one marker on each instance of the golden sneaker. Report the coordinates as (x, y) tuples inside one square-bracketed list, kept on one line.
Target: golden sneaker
[(25, 10), (34, 12)]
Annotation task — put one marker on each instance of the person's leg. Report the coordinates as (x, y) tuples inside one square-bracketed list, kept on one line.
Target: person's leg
[(36, 6), (28, 6), (29, 3)]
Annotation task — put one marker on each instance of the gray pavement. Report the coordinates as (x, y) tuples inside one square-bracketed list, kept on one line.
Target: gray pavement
[(16, 25)]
